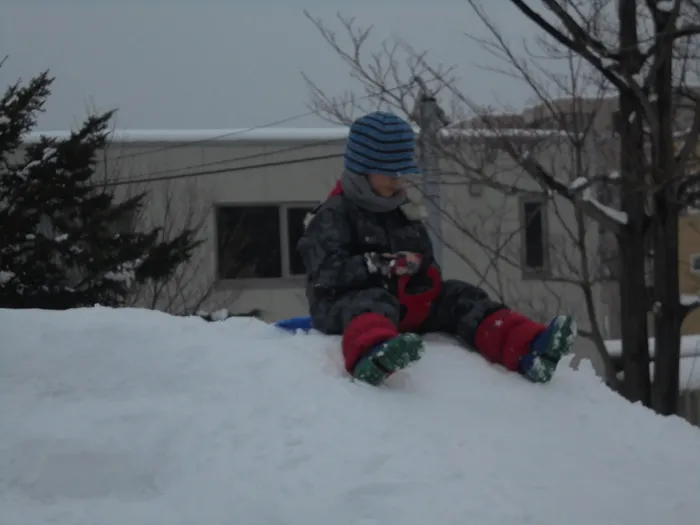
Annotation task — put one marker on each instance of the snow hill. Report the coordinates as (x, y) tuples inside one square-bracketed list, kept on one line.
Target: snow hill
[(116, 417)]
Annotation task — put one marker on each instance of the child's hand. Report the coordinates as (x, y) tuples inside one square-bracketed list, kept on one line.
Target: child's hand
[(406, 263), (390, 264)]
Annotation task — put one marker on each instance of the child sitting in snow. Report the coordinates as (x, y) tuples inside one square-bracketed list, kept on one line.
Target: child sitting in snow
[(372, 277)]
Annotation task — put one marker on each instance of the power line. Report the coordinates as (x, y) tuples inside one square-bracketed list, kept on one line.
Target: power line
[(245, 130), (219, 171), (164, 174), (215, 137), (171, 174), (172, 171)]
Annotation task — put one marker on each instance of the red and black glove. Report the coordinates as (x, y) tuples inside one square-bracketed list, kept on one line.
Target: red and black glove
[(393, 264)]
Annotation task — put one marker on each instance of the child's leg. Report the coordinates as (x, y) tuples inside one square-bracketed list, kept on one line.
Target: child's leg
[(382, 359), (372, 347), (499, 334), (547, 349), (522, 345)]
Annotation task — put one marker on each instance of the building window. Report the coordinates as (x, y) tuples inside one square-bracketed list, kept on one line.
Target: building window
[(616, 122), (259, 241), (695, 263), (534, 237)]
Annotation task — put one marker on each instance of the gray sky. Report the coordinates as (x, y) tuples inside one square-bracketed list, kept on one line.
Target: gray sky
[(203, 64)]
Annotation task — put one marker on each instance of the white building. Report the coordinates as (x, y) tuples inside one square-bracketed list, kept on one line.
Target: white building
[(251, 189)]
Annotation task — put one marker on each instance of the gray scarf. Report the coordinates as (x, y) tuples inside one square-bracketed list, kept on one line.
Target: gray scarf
[(358, 190)]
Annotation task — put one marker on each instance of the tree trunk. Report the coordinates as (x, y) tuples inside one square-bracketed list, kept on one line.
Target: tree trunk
[(668, 320), (668, 312), (636, 385)]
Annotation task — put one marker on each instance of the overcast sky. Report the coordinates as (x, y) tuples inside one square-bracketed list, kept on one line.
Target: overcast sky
[(203, 64)]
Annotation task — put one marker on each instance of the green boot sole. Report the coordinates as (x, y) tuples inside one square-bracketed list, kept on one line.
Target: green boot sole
[(392, 356), (563, 332)]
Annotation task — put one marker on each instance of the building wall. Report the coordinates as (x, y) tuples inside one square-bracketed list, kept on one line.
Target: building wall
[(603, 115), (194, 199), (205, 175), (485, 231), (689, 278), (689, 267)]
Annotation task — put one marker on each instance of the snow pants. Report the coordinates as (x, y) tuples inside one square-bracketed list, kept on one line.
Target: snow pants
[(371, 316)]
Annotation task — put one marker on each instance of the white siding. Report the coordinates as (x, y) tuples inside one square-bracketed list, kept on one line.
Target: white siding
[(195, 198), (492, 217), (483, 235)]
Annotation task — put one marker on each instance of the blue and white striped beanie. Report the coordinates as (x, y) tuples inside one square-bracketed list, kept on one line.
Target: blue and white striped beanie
[(381, 143)]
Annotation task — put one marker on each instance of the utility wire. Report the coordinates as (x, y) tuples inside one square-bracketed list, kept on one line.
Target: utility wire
[(170, 174), (218, 171), (173, 171), (245, 130), (213, 138)]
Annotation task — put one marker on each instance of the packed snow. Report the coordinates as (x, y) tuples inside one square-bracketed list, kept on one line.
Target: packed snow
[(114, 417)]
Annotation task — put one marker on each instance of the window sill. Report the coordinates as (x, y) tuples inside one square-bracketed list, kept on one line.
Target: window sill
[(533, 275)]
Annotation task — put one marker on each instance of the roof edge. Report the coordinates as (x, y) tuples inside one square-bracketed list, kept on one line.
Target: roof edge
[(271, 134)]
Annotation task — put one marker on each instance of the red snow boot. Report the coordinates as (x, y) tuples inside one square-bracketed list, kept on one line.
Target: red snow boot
[(374, 350), (504, 337)]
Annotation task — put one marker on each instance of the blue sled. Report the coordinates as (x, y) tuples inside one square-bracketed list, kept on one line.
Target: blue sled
[(295, 323)]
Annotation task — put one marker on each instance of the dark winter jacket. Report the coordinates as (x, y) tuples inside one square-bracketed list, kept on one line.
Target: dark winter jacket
[(333, 248)]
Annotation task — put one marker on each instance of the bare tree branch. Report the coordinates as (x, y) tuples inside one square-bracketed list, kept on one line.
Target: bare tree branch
[(505, 166)]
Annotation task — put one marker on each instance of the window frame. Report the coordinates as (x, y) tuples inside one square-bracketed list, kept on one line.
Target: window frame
[(693, 257), (616, 122), (528, 273), (286, 279)]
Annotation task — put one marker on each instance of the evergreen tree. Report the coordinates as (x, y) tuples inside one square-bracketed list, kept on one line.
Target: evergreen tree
[(59, 242)]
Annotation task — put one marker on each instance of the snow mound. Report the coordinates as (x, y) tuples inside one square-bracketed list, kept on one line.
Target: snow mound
[(114, 417)]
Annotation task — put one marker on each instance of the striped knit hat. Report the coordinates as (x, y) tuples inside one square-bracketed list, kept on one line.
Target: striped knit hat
[(381, 143)]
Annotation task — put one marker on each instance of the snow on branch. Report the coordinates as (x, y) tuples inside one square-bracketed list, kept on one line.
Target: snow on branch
[(579, 193), (582, 192), (665, 5), (690, 303)]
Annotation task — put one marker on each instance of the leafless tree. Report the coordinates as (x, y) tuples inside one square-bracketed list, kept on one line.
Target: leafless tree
[(488, 161), (605, 57), (175, 205), (646, 60)]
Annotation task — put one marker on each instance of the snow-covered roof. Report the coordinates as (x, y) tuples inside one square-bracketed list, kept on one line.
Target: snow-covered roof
[(689, 365), (212, 135), (274, 134), (690, 346)]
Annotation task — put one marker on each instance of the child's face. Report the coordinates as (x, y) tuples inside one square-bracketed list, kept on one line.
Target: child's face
[(385, 185)]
